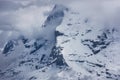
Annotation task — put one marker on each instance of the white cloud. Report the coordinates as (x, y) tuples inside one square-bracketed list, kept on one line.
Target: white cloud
[(30, 20), (101, 12), (25, 20), (27, 16)]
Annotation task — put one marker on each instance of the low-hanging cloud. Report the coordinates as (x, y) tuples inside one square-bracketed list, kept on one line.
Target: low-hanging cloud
[(102, 11), (27, 20), (27, 16), (30, 20)]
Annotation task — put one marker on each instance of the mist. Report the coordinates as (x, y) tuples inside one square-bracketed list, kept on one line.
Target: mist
[(27, 17)]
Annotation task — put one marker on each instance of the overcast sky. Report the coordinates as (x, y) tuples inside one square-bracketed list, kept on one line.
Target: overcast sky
[(10, 10), (26, 16)]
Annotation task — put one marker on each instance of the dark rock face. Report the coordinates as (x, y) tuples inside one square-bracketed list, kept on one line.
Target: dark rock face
[(57, 33), (24, 40), (9, 47), (55, 55), (98, 45), (55, 17), (37, 46)]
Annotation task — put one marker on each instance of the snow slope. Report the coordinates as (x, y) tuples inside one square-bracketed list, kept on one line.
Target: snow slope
[(89, 48), (70, 46)]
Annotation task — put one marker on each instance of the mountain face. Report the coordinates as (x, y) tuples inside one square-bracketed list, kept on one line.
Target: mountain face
[(89, 49), (69, 48), (27, 56)]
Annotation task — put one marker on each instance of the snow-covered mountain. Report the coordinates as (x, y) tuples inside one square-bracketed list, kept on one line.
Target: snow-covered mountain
[(92, 51), (70, 47), (22, 56)]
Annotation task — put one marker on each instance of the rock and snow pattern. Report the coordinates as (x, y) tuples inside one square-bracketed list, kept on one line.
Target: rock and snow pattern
[(72, 40)]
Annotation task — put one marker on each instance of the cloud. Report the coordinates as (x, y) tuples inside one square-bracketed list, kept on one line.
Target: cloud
[(27, 20), (101, 12), (30, 20), (27, 16)]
